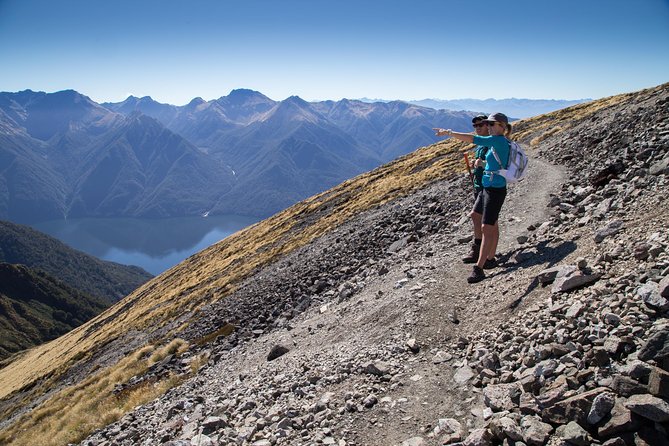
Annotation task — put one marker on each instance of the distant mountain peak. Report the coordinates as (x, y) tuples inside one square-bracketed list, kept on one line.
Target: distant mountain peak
[(296, 101), (244, 97), (237, 92), (195, 102)]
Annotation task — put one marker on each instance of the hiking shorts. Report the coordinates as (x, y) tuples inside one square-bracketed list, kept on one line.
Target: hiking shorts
[(489, 204), (477, 192)]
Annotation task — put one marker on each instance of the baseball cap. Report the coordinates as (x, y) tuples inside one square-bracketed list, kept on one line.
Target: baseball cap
[(498, 117)]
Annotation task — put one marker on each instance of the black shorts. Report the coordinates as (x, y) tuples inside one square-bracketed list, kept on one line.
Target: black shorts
[(477, 192), (489, 203)]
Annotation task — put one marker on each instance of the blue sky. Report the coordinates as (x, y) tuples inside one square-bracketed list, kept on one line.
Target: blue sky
[(175, 50)]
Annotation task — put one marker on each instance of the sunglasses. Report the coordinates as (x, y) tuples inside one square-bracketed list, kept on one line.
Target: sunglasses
[(479, 125)]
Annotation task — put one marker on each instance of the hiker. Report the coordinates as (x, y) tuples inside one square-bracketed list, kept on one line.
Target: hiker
[(490, 200), (481, 129)]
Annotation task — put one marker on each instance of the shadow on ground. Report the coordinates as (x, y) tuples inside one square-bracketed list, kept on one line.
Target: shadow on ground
[(544, 254)]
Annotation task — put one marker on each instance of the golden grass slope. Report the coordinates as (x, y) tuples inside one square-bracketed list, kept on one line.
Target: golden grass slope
[(215, 272)]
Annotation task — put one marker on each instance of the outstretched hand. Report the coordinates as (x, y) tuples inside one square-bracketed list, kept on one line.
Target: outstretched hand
[(441, 132)]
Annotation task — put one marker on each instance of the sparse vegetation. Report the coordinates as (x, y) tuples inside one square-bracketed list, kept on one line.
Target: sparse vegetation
[(92, 403)]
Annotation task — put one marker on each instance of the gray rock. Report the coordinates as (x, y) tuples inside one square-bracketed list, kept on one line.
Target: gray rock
[(378, 368), (449, 430), (626, 386), (550, 274), (276, 352), (611, 319), (575, 408), (201, 440), (658, 383), (649, 406), (478, 437), (565, 284), (370, 401), (573, 433), (399, 244), (612, 228), (617, 441), (535, 431), (212, 424), (603, 208), (509, 428), (660, 167), (621, 421), (664, 287), (575, 310), (601, 407), (441, 357), (413, 345), (638, 370), (657, 346), (650, 294), (463, 374), (500, 397)]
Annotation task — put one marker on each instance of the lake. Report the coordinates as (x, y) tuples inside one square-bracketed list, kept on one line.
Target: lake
[(153, 244)]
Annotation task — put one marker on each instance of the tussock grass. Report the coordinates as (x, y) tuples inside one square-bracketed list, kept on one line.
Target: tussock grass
[(72, 414)]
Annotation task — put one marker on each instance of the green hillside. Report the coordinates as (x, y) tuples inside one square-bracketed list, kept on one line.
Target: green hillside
[(107, 281), (35, 308)]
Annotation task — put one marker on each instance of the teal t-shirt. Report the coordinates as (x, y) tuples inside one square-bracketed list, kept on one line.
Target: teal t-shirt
[(501, 146), (480, 153)]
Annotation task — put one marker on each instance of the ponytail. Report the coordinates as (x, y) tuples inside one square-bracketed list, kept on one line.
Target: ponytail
[(507, 132)]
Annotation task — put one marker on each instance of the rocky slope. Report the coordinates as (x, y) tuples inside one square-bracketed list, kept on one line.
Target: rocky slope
[(368, 334)]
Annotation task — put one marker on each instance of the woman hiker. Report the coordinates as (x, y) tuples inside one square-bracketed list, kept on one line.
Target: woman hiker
[(489, 201), (481, 129)]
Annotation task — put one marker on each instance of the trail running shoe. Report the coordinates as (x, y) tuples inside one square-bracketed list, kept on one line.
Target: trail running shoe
[(473, 255), (477, 275), (490, 263)]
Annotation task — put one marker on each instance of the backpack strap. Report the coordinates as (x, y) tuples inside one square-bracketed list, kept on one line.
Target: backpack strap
[(499, 161), (494, 153)]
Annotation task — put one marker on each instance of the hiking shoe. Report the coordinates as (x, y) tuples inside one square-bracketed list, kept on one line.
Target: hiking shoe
[(477, 275), (490, 263), (473, 255)]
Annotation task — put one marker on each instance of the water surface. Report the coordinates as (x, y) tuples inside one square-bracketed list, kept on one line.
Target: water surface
[(153, 244)]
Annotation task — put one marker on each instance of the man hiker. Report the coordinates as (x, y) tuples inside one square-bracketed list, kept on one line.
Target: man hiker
[(489, 202), (481, 129)]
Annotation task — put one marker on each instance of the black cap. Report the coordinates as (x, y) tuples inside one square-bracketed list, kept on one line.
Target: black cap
[(498, 117), (478, 118)]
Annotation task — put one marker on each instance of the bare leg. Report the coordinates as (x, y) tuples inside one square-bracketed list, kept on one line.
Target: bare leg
[(493, 248), (477, 219), (487, 244)]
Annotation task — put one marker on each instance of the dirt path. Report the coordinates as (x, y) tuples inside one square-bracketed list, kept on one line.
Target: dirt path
[(448, 308)]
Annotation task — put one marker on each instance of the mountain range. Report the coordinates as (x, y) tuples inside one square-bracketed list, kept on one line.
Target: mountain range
[(65, 156), (517, 108), (282, 152)]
